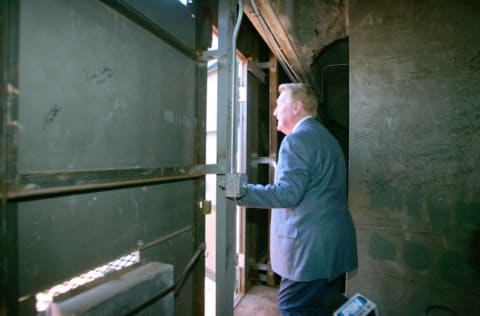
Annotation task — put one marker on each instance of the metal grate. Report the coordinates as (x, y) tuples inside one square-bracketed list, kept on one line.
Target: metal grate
[(43, 299)]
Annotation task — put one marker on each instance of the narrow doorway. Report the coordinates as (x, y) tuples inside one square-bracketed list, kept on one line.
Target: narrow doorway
[(211, 183)]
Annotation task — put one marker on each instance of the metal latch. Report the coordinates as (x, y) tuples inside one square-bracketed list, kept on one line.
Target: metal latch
[(205, 206)]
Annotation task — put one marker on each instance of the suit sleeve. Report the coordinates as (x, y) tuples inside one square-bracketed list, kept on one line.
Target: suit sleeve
[(292, 178)]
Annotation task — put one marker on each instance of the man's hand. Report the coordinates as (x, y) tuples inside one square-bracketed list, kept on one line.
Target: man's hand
[(235, 185)]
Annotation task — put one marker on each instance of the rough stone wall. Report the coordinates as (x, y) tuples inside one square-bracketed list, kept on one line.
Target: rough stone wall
[(317, 24), (414, 186), (309, 26)]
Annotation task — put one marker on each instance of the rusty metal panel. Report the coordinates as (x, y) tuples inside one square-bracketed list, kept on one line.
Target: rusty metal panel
[(99, 92), (167, 14), (8, 100), (66, 236), (105, 146), (123, 294)]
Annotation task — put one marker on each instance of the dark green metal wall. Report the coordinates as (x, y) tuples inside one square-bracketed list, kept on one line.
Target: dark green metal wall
[(103, 143), (415, 153)]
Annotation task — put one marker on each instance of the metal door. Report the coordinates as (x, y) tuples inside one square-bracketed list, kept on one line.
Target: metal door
[(103, 128)]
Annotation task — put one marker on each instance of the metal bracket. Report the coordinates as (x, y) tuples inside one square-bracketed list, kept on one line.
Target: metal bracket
[(265, 65), (235, 185), (205, 207), (270, 160), (213, 54), (256, 71)]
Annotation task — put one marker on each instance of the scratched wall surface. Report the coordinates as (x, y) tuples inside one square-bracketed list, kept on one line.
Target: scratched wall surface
[(98, 91), (86, 91), (414, 187)]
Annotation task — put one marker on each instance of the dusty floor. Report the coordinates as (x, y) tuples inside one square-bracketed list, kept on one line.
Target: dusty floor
[(259, 301)]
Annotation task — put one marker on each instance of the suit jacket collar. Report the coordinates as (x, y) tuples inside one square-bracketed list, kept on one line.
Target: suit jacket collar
[(300, 122)]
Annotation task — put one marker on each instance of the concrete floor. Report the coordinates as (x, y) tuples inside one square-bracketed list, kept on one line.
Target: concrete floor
[(259, 301)]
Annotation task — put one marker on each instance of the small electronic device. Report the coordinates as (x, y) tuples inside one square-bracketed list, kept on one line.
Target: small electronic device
[(357, 305)]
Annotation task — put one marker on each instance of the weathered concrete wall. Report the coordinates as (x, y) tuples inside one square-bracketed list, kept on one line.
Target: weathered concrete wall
[(325, 23), (415, 153)]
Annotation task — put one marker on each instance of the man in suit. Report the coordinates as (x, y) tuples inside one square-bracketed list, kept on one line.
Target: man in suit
[(312, 237)]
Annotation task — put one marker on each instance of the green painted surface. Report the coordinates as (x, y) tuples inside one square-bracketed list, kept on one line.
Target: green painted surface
[(414, 204), (473, 254), (380, 248), (384, 194), (453, 268), (468, 214), (438, 215), (414, 153), (416, 255), (100, 92)]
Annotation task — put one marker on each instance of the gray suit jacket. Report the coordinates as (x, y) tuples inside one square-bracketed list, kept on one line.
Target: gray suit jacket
[(311, 234)]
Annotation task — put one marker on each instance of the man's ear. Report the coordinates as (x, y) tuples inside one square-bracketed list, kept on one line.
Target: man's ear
[(297, 106)]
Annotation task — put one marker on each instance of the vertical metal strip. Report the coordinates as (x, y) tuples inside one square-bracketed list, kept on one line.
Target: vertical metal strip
[(233, 92), (9, 37), (273, 143), (203, 25), (272, 128), (198, 299), (225, 217), (3, 207)]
